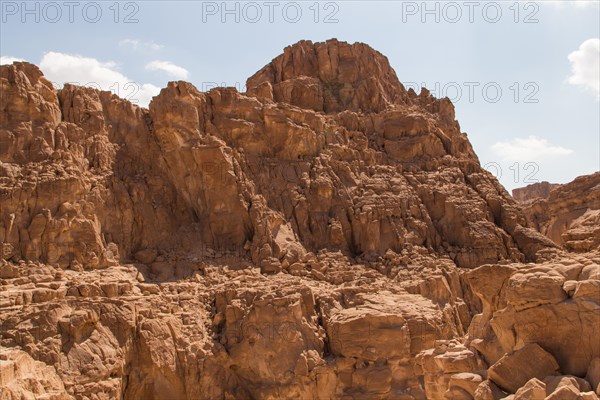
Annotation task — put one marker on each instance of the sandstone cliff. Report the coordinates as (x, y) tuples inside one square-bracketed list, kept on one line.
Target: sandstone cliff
[(382, 169), (540, 190), (568, 214), (327, 234)]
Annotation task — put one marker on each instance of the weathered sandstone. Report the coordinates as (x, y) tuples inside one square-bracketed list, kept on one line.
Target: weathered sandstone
[(327, 234), (569, 214)]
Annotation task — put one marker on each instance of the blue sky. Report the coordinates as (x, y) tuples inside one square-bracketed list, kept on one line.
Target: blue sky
[(527, 72)]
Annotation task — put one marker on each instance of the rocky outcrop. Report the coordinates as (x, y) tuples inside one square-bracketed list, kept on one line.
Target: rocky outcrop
[(235, 169), (569, 214), (515, 369), (220, 333), (540, 190), (331, 77), (529, 314), (327, 234), (22, 377)]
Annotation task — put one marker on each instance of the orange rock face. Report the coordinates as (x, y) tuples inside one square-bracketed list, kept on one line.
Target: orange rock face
[(327, 234), (534, 191), (569, 214)]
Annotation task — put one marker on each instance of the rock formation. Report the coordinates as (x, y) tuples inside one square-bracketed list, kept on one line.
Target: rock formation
[(540, 190), (327, 234), (568, 214)]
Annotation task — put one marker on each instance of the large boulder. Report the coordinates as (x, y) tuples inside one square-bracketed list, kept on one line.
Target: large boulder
[(515, 369)]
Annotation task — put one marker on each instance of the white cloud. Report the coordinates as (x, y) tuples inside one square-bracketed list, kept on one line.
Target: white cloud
[(63, 68), (168, 67), (138, 44), (531, 148), (585, 65), (9, 60)]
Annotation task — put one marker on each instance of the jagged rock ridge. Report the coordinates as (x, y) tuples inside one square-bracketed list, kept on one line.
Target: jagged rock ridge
[(228, 169), (302, 240), (568, 214), (539, 190)]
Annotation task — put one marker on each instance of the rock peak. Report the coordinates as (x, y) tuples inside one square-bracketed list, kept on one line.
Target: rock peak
[(329, 76), (222, 246)]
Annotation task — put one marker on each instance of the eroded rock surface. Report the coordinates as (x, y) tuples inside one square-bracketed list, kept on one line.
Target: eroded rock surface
[(327, 234), (540, 190), (568, 214)]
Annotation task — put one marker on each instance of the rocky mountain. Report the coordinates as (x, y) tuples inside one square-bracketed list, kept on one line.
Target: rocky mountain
[(540, 190), (327, 234), (568, 214)]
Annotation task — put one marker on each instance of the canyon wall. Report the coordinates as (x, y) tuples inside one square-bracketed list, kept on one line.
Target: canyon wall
[(568, 214), (327, 234)]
